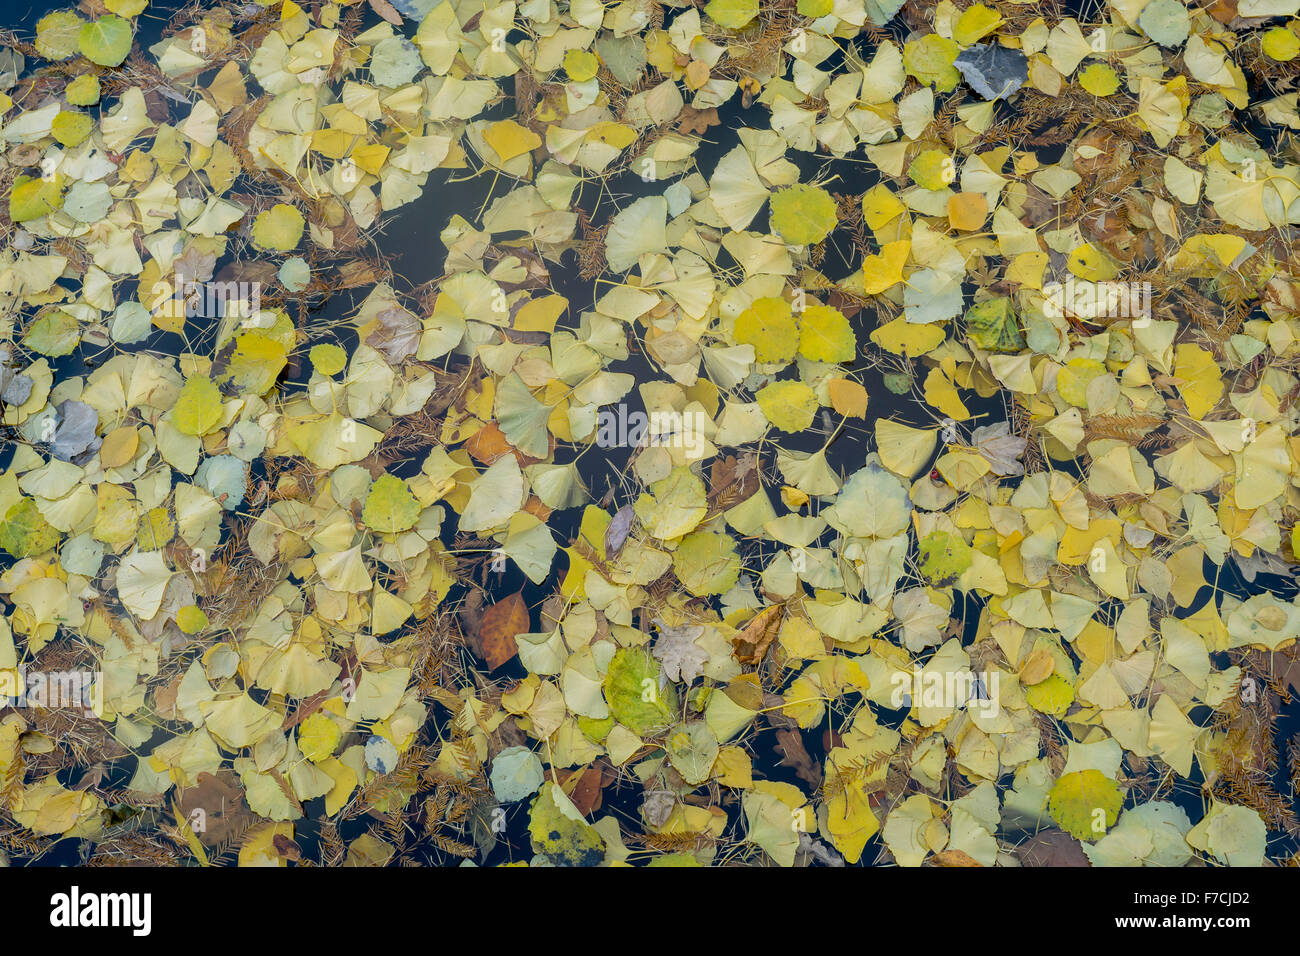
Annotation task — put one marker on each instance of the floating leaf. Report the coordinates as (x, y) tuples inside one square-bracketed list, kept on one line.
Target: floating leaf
[(198, 407), (390, 506), (106, 40), (58, 34), (803, 214), (278, 228), (1085, 803)]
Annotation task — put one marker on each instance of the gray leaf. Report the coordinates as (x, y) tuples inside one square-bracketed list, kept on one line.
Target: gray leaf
[(12, 64), (14, 388), (676, 650), (620, 526), (656, 807), (75, 432), (993, 70)]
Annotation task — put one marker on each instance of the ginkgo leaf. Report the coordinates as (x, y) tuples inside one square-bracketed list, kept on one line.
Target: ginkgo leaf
[(141, 580), (1201, 386), (884, 270)]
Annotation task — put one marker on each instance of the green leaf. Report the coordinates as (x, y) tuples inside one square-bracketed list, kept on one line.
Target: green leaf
[(632, 689), (706, 563), (327, 358), (732, 14), (1166, 21), (522, 418), (83, 91), (815, 8), (32, 198), (692, 749), (944, 558), (390, 507), (24, 532), (71, 128), (53, 334), (992, 325), (930, 60), (559, 832), (106, 41)]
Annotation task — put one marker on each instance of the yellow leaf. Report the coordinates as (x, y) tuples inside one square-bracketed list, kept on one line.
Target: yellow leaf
[(1085, 803), (885, 269), (768, 325), (967, 211), (825, 335), (790, 406), (907, 338), (848, 397), (1201, 384), (510, 139)]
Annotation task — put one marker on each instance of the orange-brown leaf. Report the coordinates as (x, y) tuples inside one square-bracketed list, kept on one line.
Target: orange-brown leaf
[(501, 622)]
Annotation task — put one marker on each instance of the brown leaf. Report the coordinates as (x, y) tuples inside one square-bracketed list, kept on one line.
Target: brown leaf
[(1052, 848), (1225, 11), (691, 120), (751, 644), (283, 845), (398, 335), (953, 858), (584, 787), (501, 622), (789, 743), (220, 797), (387, 11), (488, 444)]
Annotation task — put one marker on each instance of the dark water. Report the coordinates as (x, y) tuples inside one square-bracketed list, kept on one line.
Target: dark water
[(410, 246)]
